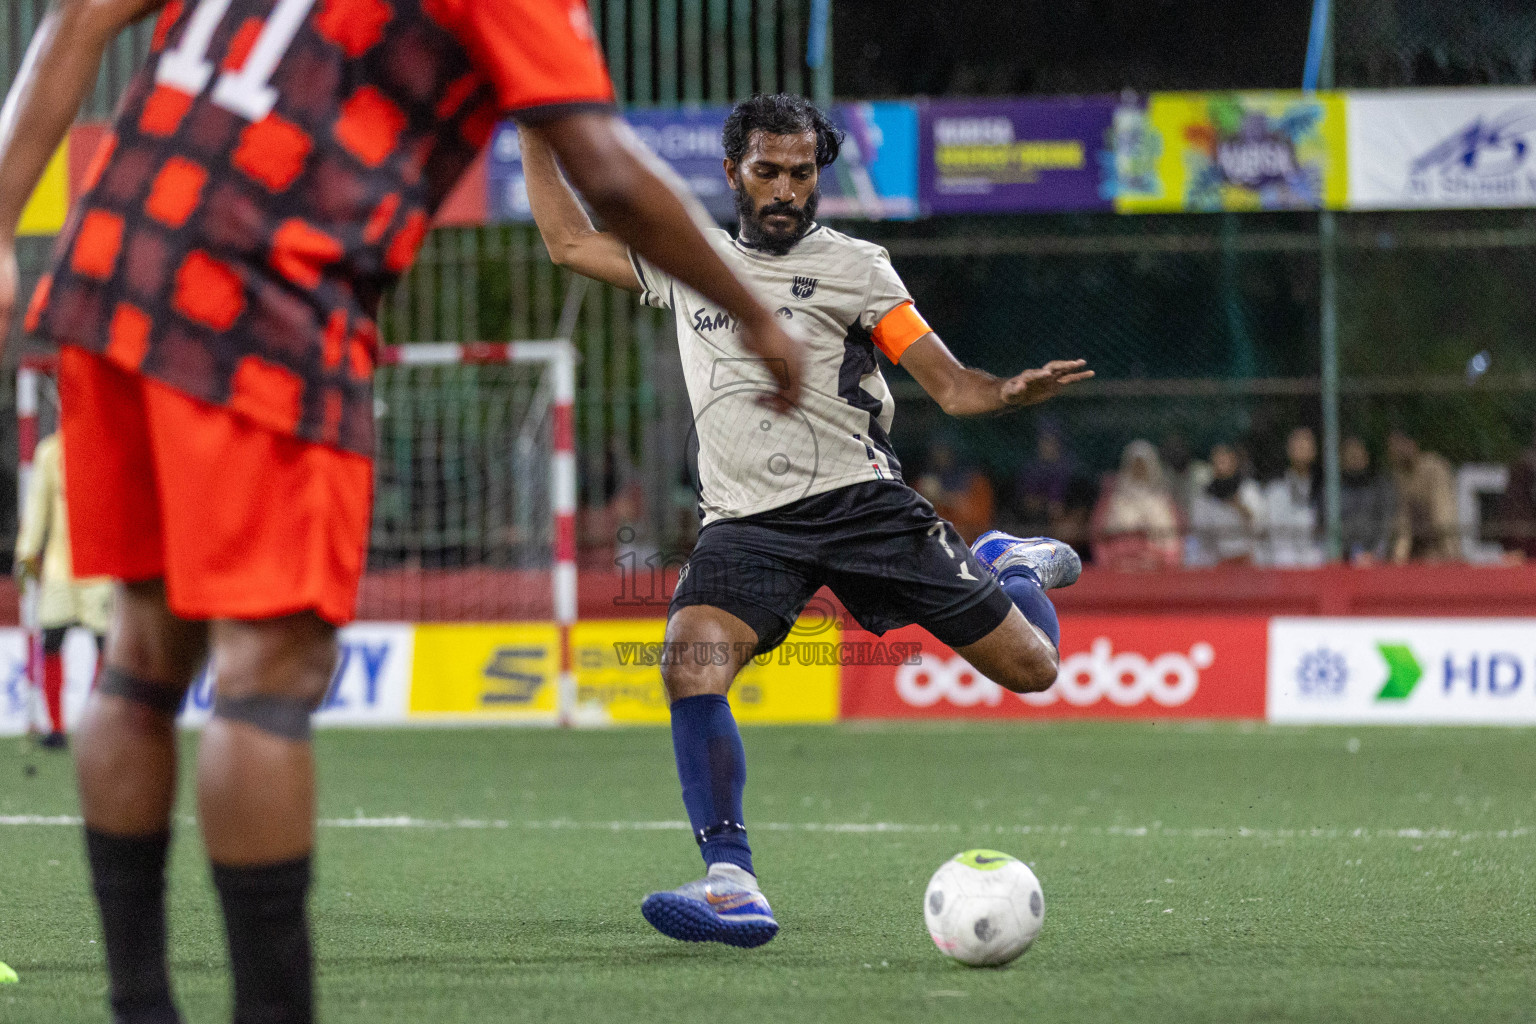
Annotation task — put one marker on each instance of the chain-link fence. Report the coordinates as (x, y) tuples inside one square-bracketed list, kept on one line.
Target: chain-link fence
[(1204, 329)]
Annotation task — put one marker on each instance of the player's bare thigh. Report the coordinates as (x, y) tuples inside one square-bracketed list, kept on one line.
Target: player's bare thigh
[(150, 642), (1015, 655), (705, 648)]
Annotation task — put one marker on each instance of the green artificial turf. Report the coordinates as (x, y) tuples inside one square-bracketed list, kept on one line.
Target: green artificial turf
[(1191, 873)]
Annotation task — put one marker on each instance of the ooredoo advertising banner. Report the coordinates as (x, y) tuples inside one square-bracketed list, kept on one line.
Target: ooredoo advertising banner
[(1442, 148), (1233, 151), (1011, 155), (1111, 667), (1410, 671)]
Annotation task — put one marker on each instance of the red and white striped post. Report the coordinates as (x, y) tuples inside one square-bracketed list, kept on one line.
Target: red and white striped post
[(29, 377), (560, 357)]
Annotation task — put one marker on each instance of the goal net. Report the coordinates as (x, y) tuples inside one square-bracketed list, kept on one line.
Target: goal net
[(474, 480), (474, 484)]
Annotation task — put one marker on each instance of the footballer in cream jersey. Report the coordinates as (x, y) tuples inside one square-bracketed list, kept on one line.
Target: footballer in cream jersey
[(835, 293), (794, 499)]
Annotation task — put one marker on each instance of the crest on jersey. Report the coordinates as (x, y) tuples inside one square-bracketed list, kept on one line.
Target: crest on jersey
[(804, 287)]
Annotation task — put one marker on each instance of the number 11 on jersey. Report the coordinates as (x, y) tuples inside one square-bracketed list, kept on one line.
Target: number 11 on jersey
[(246, 91)]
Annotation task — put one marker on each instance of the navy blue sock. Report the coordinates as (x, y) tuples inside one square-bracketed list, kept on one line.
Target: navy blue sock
[(1023, 586), (713, 768)]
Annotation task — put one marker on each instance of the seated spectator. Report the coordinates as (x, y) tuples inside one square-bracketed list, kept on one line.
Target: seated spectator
[(1187, 476), (1517, 510), (1226, 519), (1137, 523), (1425, 525), (1040, 490), (1073, 524), (960, 493), (1291, 503), (1366, 505)]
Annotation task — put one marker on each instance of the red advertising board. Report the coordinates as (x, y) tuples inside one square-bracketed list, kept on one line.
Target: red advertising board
[(1111, 667)]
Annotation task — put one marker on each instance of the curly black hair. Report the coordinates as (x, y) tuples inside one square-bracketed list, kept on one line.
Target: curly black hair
[(780, 114)]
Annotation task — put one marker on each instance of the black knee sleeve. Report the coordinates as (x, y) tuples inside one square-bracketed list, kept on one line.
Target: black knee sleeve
[(158, 697), (284, 717)]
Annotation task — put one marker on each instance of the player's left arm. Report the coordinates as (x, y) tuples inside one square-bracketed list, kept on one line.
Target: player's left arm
[(59, 69), (963, 391)]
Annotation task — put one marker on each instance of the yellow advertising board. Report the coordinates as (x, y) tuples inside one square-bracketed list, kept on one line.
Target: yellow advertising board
[(48, 208), (1207, 152), (618, 676), (502, 671)]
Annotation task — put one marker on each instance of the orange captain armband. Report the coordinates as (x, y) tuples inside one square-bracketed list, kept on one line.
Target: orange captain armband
[(898, 330)]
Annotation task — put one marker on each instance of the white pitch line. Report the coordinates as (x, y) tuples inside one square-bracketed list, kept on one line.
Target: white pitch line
[(866, 828)]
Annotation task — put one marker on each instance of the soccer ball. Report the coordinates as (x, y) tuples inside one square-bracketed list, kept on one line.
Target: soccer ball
[(983, 908)]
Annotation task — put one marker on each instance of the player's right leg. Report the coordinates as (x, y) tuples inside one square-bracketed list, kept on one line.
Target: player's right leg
[(125, 757), (739, 596), (126, 743)]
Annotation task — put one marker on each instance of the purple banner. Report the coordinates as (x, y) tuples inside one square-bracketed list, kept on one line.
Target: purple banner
[(1009, 155)]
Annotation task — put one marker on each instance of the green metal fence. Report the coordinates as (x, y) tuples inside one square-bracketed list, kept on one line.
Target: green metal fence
[(1204, 328)]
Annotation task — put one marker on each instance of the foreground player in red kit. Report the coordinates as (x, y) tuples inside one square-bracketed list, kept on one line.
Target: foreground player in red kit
[(272, 170)]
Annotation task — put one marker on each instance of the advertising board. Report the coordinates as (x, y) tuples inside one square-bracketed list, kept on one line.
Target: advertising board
[(1442, 148), (371, 684), (1015, 155), (1235, 151), (1111, 667), (486, 672), (618, 676), (1412, 671), (874, 178)]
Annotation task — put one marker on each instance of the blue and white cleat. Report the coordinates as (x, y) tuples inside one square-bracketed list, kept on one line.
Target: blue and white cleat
[(724, 906), (1054, 563)]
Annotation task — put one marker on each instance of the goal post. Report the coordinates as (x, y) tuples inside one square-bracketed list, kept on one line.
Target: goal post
[(474, 515), (540, 427), (31, 372)]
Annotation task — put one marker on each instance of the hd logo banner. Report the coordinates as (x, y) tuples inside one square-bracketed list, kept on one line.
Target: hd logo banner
[(1412, 671)]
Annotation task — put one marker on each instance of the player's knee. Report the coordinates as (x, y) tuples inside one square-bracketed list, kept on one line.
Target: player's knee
[(291, 658), (688, 676), (1032, 672)]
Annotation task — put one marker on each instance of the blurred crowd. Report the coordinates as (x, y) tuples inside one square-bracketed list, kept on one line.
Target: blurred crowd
[(1164, 507)]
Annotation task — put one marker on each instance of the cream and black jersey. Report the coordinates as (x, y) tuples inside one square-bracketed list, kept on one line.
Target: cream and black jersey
[(842, 298)]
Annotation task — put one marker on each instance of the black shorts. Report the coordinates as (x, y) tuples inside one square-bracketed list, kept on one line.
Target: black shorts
[(879, 546)]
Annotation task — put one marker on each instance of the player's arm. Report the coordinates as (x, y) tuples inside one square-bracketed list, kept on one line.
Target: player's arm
[(963, 391), (629, 188), (59, 69), (567, 231)]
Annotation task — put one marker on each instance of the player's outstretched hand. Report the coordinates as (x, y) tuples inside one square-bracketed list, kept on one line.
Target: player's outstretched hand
[(1034, 386), (783, 355)]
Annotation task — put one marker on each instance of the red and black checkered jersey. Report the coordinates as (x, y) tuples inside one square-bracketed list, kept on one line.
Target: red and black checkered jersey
[(273, 169)]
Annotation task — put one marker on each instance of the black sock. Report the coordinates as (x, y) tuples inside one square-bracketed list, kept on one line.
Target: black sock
[(265, 920), (128, 875)]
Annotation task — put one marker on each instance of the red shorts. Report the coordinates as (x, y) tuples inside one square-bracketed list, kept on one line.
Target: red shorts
[(240, 521)]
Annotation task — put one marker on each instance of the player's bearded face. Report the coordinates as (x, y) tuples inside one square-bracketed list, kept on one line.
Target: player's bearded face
[(776, 227), (777, 185)]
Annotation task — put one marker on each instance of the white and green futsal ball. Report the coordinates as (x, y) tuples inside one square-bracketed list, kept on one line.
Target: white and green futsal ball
[(983, 908)]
